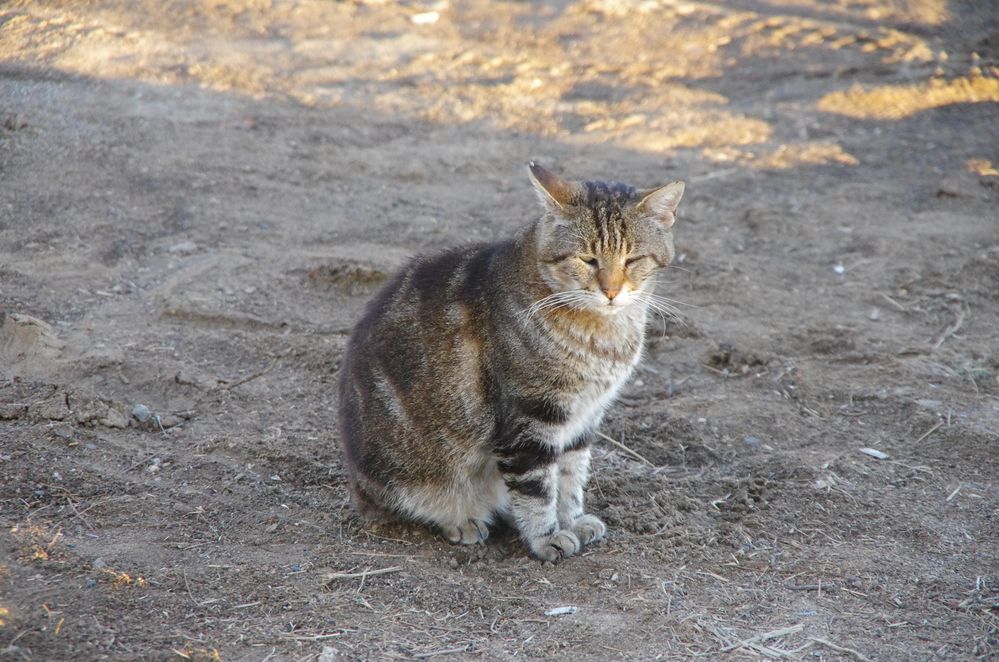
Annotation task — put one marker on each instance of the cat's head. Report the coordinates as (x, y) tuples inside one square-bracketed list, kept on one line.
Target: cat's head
[(600, 245)]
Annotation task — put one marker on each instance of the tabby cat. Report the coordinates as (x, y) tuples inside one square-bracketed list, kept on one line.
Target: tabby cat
[(474, 382)]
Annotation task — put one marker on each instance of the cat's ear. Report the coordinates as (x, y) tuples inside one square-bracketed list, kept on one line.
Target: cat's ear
[(661, 203), (554, 192)]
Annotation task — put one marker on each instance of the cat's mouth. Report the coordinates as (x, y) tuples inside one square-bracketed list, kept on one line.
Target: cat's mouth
[(609, 306)]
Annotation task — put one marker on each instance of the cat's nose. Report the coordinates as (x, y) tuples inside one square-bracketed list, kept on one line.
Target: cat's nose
[(611, 292)]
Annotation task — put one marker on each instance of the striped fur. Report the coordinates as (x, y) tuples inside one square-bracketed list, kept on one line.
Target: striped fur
[(471, 385)]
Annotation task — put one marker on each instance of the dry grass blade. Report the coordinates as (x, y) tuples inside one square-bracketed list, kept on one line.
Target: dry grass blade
[(627, 450), (930, 431), (445, 651), (766, 636), (949, 330), (333, 576)]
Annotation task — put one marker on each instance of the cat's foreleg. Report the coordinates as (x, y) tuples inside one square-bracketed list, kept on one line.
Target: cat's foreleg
[(530, 470), (573, 474)]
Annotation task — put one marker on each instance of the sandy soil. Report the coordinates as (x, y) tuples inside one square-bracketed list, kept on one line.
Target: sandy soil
[(196, 199)]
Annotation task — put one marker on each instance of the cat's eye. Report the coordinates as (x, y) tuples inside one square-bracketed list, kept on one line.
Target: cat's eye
[(632, 260), (592, 261)]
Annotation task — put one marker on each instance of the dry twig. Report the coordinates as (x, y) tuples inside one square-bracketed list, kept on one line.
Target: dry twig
[(627, 450), (949, 330), (773, 634), (361, 575), (930, 431)]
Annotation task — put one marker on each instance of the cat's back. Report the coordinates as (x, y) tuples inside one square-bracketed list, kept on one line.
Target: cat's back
[(430, 295)]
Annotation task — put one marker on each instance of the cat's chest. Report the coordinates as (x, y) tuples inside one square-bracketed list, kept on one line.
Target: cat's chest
[(586, 404)]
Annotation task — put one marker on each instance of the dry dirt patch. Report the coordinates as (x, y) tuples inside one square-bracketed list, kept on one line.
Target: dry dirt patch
[(198, 198)]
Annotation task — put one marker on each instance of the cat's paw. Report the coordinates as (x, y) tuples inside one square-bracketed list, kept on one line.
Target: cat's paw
[(589, 528), (560, 545), (472, 531)]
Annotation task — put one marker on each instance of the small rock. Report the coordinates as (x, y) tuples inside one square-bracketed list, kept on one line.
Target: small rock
[(99, 563), (168, 421), (183, 248), (114, 419), (329, 654), (425, 18), (752, 442), (11, 411), (90, 446), (141, 413), (453, 564), (875, 314), (839, 269), (875, 453), (561, 611)]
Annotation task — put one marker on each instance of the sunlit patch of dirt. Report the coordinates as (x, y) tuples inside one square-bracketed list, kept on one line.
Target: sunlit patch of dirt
[(784, 156), (895, 102), (982, 167)]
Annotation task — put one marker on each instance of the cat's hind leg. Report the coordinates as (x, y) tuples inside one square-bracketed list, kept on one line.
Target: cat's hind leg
[(469, 532), (460, 515)]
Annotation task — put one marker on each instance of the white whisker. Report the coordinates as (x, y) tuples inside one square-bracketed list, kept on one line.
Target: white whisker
[(564, 299)]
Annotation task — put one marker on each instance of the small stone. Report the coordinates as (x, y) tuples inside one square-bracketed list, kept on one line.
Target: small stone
[(99, 563), (183, 248), (114, 419), (453, 564), (168, 421), (329, 654), (561, 611), (9, 412), (141, 413), (875, 314), (752, 442), (839, 269)]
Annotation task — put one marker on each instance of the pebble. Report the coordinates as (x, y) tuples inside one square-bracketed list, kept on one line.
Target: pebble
[(142, 413), (752, 442), (561, 611), (99, 563), (114, 419), (184, 248)]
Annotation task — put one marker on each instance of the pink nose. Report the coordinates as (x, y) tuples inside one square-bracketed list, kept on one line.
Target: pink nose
[(611, 292)]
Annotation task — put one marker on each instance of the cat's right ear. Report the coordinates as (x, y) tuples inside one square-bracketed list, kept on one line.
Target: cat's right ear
[(555, 193)]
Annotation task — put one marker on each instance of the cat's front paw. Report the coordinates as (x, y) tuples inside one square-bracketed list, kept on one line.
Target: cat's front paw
[(559, 545), (588, 528), (470, 532)]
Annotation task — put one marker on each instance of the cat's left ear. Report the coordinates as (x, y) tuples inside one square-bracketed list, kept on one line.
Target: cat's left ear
[(661, 203)]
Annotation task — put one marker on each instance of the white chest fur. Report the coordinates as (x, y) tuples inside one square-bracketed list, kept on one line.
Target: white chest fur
[(586, 408)]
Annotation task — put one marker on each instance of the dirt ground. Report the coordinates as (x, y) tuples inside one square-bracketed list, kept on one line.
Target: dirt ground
[(197, 198)]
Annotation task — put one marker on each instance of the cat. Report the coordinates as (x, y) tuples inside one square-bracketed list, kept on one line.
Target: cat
[(473, 384)]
